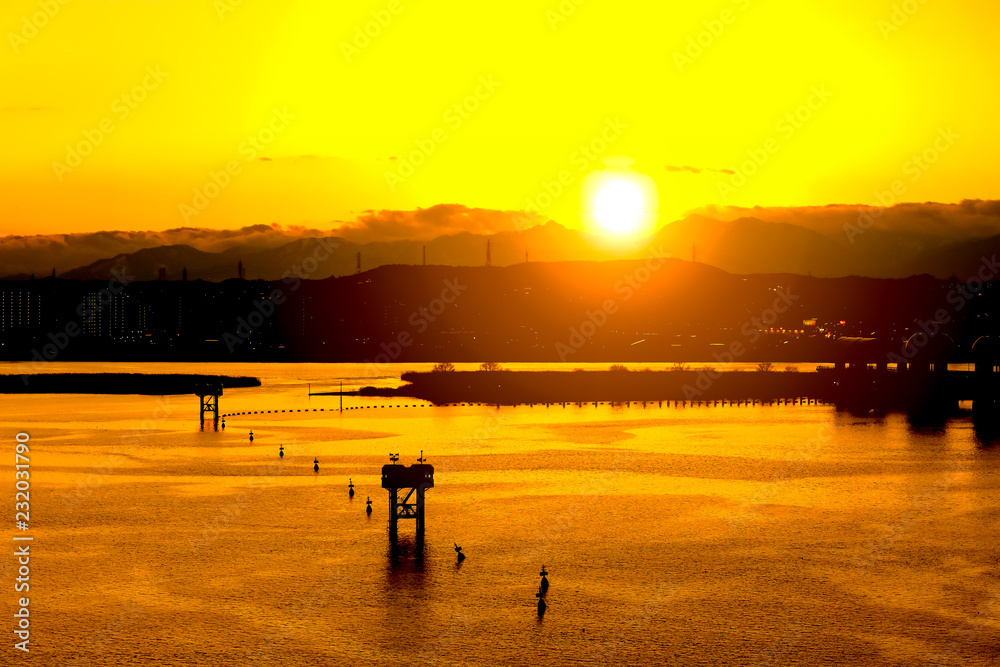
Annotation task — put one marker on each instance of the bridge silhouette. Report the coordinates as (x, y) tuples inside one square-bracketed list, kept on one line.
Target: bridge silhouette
[(917, 376)]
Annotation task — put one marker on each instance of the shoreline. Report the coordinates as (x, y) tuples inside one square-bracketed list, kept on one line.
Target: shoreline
[(505, 387), (118, 383)]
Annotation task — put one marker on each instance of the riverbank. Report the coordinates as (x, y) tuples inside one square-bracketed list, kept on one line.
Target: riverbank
[(117, 383), (520, 387)]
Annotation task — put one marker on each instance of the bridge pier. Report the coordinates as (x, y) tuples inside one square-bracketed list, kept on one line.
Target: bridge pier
[(985, 392), (208, 396), (412, 480)]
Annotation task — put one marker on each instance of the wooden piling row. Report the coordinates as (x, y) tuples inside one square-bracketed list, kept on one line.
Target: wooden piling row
[(746, 402)]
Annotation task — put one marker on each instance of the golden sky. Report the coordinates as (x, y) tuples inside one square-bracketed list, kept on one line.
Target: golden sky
[(502, 105)]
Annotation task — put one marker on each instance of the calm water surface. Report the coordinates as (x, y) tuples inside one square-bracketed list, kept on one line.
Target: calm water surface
[(687, 535)]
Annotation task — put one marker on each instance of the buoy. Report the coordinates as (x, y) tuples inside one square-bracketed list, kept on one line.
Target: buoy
[(541, 603), (350, 485), (251, 436), (458, 550), (544, 586), (315, 465), (281, 451), (369, 503), (223, 423)]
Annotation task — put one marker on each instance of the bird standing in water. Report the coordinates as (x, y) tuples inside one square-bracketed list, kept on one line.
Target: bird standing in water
[(315, 465), (458, 550)]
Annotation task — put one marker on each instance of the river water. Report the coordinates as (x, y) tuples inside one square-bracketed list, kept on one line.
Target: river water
[(773, 535)]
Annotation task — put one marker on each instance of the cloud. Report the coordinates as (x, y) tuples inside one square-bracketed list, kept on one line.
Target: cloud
[(40, 254), (930, 224), (967, 220), (429, 223), (696, 170)]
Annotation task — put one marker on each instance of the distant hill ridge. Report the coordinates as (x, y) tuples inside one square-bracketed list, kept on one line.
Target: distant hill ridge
[(745, 245)]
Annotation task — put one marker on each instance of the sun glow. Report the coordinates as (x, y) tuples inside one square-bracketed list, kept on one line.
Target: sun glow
[(619, 202), (619, 207), (846, 94)]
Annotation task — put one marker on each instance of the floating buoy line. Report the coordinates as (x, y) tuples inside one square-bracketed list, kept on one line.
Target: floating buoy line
[(747, 402)]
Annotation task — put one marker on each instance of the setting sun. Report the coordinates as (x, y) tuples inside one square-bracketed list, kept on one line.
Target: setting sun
[(619, 202), (692, 307)]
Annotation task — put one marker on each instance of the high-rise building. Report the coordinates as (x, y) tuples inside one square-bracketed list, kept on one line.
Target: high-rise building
[(20, 308), (123, 318)]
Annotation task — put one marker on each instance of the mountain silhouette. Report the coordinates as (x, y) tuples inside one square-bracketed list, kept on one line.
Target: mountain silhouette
[(745, 245)]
